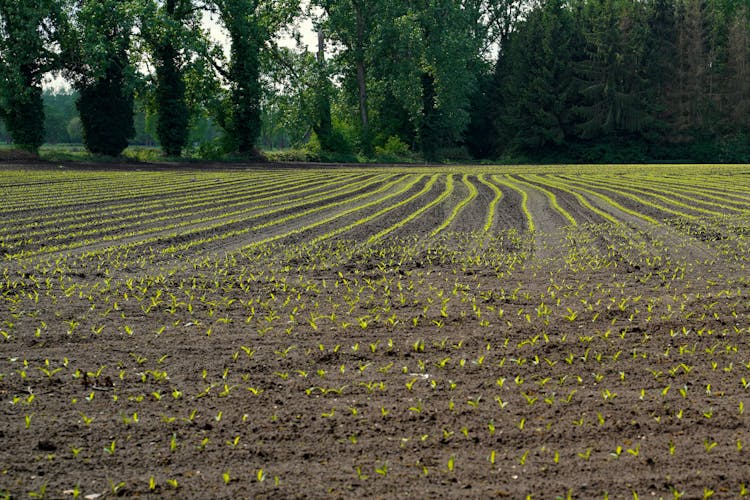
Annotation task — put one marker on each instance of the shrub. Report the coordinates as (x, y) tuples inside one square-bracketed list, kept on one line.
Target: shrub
[(394, 150)]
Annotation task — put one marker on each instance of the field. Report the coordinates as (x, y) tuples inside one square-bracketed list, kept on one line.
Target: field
[(545, 332)]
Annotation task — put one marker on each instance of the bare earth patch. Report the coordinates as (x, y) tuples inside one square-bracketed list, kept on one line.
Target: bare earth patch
[(586, 361)]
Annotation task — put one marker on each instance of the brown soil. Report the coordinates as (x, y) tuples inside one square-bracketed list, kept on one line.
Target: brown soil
[(579, 361)]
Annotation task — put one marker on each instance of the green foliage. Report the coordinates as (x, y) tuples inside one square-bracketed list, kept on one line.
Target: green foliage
[(351, 24), (604, 81), (23, 112), (481, 133), (250, 26), (211, 150), (553, 80), (106, 111), (97, 54), (288, 155), (336, 149), (26, 32), (541, 87), (163, 31), (614, 87), (394, 150), (59, 112), (323, 125), (426, 60)]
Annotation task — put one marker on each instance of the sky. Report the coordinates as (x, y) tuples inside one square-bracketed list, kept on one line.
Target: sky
[(58, 84)]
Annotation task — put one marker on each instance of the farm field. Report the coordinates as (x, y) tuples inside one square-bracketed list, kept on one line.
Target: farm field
[(407, 332)]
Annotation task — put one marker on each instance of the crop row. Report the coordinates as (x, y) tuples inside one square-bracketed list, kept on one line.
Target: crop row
[(170, 209), (438, 361)]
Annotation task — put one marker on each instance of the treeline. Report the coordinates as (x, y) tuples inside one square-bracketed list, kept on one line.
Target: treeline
[(518, 80), (618, 80), (62, 123)]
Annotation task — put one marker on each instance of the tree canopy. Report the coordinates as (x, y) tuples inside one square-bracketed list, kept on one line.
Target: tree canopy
[(523, 80)]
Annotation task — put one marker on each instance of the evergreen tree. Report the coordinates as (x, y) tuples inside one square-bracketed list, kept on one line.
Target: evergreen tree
[(500, 113), (541, 87), (481, 133), (690, 94), (661, 61), (487, 135), (737, 94), (616, 109)]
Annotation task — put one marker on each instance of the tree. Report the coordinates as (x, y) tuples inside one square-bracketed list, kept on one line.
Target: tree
[(350, 24), (165, 29), (27, 33), (289, 102), (75, 129), (738, 72), (251, 24), (690, 92), (97, 59), (495, 22), (426, 59), (322, 123), (540, 87), (481, 133), (615, 88), (660, 59), (59, 110)]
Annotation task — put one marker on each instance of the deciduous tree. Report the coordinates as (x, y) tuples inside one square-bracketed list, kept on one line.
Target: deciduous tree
[(97, 56), (28, 31), (170, 28), (251, 25)]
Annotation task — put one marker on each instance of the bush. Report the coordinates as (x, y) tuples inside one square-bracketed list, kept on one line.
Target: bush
[(458, 153), (291, 155), (211, 150), (143, 154), (394, 150), (340, 151)]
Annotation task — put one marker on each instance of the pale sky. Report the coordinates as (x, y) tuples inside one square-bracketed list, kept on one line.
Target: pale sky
[(217, 33)]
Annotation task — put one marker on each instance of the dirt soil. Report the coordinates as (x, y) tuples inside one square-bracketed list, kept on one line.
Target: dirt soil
[(588, 362)]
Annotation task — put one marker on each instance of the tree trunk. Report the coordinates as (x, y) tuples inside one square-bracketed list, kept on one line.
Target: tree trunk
[(323, 125), (362, 83), (362, 80)]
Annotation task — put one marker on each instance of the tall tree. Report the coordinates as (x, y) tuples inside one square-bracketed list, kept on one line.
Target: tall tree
[(738, 71), (426, 60), (496, 20), (541, 87), (499, 18), (251, 24), (660, 61), (27, 33), (167, 31), (322, 122), (615, 87), (350, 23), (97, 57), (690, 93)]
